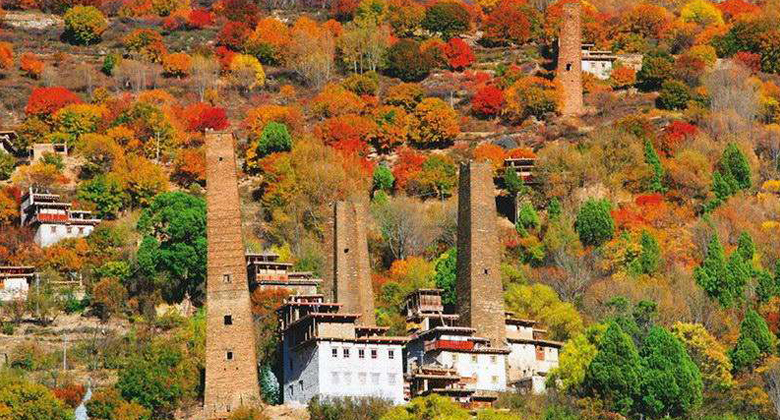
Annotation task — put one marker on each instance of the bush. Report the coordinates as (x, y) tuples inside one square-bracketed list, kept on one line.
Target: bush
[(488, 101), (433, 122), (458, 54), (7, 163), (84, 25), (31, 65), (199, 19), (109, 62), (449, 18), (362, 83), (45, 101), (594, 223), (348, 408), (274, 139), (512, 21), (146, 43), (6, 55), (674, 95), (177, 65), (407, 62)]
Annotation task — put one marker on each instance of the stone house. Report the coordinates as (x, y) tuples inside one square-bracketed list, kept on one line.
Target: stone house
[(54, 220), (265, 271), (15, 282), (326, 353)]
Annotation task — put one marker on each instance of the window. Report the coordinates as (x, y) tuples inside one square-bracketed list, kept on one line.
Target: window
[(568, 66), (361, 354), (487, 271), (292, 390), (228, 319), (346, 353), (375, 378), (390, 354), (347, 378), (229, 355), (81, 230), (494, 379), (334, 378), (346, 250), (539, 353), (493, 359), (362, 378), (373, 353), (54, 229), (391, 378), (69, 229), (226, 278), (334, 352), (291, 364), (300, 385), (473, 358)]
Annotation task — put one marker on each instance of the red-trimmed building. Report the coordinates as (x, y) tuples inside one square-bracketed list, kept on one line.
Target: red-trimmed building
[(326, 353), (54, 220)]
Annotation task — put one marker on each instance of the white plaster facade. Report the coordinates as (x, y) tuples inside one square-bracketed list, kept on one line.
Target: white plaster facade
[(13, 288), (50, 233), (601, 68), (531, 358), (343, 369), (487, 372)]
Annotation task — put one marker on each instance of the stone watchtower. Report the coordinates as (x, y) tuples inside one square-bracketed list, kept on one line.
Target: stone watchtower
[(231, 357), (480, 297), (570, 60), (347, 272)]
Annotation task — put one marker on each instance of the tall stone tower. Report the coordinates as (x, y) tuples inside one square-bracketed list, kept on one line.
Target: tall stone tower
[(570, 60), (480, 297), (348, 273), (231, 357)]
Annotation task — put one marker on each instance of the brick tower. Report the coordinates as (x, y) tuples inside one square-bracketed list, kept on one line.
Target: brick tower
[(480, 297), (570, 60), (231, 357), (348, 273)]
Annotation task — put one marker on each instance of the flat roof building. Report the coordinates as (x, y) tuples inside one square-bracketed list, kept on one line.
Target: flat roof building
[(54, 220)]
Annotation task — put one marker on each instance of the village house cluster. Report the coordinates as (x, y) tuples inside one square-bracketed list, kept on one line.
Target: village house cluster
[(330, 343)]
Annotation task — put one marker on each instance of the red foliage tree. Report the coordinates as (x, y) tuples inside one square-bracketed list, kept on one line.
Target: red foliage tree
[(674, 135), (349, 133), (749, 60), (45, 101), (488, 101), (343, 10), (458, 53), (203, 116), (190, 166), (233, 35), (199, 19), (408, 164), (512, 21), (649, 200), (225, 57), (244, 11), (733, 8), (71, 394)]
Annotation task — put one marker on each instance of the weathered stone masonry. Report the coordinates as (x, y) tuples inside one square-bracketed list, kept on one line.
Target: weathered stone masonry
[(231, 358), (480, 299), (570, 60), (348, 272)]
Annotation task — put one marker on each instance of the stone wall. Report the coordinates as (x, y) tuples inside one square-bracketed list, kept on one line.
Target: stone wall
[(480, 298), (570, 60), (231, 358), (348, 272)]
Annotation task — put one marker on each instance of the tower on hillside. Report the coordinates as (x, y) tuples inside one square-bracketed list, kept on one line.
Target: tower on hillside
[(231, 357), (348, 273), (570, 60), (480, 298)]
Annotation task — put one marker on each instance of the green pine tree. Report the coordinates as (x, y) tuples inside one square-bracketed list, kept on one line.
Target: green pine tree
[(554, 209), (711, 274), (755, 340), (650, 255), (746, 247), (671, 384), (738, 273), (734, 164), (766, 286), (446, 272), (594, 222), (383, 179), (652, 159), (616, 372), (269, 386), (274, 139)]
